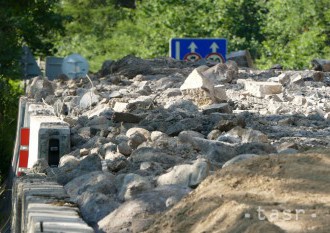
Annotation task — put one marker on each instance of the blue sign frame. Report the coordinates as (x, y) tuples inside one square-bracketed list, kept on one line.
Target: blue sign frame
[(193, 49)]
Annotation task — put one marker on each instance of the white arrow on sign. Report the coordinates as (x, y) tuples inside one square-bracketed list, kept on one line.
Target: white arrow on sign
[(214, 47), (192, 47)]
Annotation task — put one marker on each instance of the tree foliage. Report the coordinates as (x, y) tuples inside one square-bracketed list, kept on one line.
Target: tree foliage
[(296, 31), (89, 28), (9, 94), (100, 30), (27, 22), (34, 23)]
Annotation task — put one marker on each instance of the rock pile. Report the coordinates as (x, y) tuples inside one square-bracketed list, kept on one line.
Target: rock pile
[(148, 132)]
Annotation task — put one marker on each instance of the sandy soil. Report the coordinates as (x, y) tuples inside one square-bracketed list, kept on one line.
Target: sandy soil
[(286, 193)]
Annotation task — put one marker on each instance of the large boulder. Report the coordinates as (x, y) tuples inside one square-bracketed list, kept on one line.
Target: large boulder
[(242, 58), (136, 130), (98, 181), (129, 66), (199, 87), (135, 215), (95, 206), (222, 73), (72, 168), (209, 149), (149, 154), (321, 65), (130, 185), (189, 175)]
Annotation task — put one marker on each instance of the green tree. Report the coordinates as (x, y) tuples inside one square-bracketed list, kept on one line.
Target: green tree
[(27, 22), (23, 22), (9, 95), (296, 31), (100, 30), (89, 26), (154, 23)]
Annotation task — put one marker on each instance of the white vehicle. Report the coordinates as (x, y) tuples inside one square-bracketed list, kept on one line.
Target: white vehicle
[(40, 135)]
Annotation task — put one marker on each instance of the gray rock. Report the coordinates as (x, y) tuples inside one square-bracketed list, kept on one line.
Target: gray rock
[(144, 88), (85, 132), (185, 136), (100, 121), (71, 169), (151, 168), (60, 108), (131, 185), (158, 135), (106, 67), (136, 140), (95, 206), (251, 135), (297, 79), (41, 166), (239, 158), (132, 216), (242, 58), (90, 163), (149, 154), (220, 73), (69, 161), (89, 99), (283, 78), (136, 130), (194, 124), (115, 94), (108, 148), (171, 92), (124, 148), (40, 88), (214, 134), (99, 110), (117, 164), (212, 150), (130, 66), (97, 181), (225, 125), (186, 105), (198, 86), (222, 108), (189, 175), (125, 117), (321, 65), (229, 139)]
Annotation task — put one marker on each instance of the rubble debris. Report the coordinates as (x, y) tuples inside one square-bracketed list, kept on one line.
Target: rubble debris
[(155, 129)]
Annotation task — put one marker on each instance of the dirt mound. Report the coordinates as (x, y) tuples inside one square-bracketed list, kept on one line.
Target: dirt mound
[(288, 193)]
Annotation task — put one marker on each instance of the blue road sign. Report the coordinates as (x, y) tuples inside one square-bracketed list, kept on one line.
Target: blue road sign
[(193, 49)]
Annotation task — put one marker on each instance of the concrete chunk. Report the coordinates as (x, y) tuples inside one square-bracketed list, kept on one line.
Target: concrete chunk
[(261, 89), (196, 81), (120, 107)]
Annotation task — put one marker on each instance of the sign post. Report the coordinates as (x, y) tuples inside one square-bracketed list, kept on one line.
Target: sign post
[(194, 49)]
